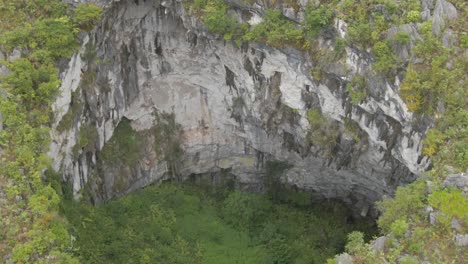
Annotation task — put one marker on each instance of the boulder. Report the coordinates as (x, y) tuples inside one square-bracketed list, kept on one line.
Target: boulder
[(457, 181), (344, 258), (443, 12)]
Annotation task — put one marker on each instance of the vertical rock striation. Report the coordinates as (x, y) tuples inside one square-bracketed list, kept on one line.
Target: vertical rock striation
[(238, 108)]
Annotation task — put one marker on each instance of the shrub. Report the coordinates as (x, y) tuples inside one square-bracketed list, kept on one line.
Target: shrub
[(464, 41), (357, 89), (244, 210), (402, 38), (360, 34), (385, 61), (413, 16), (409, 201), (87, 139), (123, 147), (451, 203), (46, 34), (316, 19), (275, 30), (217, 20), (408, 260), (355, 243), (339, 48), (399, 228), (433, 139), (86, 16)]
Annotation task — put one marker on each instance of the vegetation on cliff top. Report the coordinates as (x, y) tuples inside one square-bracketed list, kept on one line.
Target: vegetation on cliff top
[(31, 230)]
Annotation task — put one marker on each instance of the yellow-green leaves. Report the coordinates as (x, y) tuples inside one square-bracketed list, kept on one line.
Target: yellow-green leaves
[(86, 16), (433, 139)]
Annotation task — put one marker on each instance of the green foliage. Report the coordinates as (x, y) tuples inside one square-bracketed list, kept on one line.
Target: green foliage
[(402, 38), (385, 60), (87, 139), (360, 34), (46, 36), (357, 89), (167, 138), (413, 16), (355, 243), (451, 203), (123, 147), (69, 118), (244, 210), (275, 30), (86, 16), (31, 230), (35, 86), (407, 205), (408, 260), (399, 228), (216, 19), (464, 41), (183, 224), (432, 141), (339, 48), (323, 132), (315, 19)]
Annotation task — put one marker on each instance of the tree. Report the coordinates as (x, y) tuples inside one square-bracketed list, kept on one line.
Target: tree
[(86, 16)]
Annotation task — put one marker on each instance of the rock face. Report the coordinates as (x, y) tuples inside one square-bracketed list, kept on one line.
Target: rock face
[(240, 110)]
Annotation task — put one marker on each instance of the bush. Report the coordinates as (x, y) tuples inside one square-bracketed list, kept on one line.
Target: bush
[(217, 20), (355, 243), (245, 211), (409, 202), (451, 203), (357, 89), (86, 16), (339, 48), (464, 41), (399, 228), (360, 35), (275, 30), (123, 147), (432, 141), (87, 139), (323, 132), (385, 61), (46, 34), (413, 16), (402, 38), (316, 19)]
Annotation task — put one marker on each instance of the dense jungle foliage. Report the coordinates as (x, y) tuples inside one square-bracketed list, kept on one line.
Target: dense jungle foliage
[(44, 33), (174, 223)]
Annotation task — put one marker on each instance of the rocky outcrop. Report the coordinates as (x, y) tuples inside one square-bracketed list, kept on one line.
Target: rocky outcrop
[(240, 109), (457, 181), (443, 12)]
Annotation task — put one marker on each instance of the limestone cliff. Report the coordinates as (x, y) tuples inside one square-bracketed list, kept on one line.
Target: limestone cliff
[(233, 110)]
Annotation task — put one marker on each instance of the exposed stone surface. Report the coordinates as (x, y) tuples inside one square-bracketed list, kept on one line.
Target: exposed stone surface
[(456, 225), (403, 51), (379, 243), (239, 107), (457, 181), (444, 11), (344, 258), (461, 240)]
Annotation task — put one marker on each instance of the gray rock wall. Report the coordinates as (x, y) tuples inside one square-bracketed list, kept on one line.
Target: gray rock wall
[(238, 108)]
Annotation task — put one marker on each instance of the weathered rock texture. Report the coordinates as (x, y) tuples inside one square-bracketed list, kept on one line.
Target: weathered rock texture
[(238, 108)]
